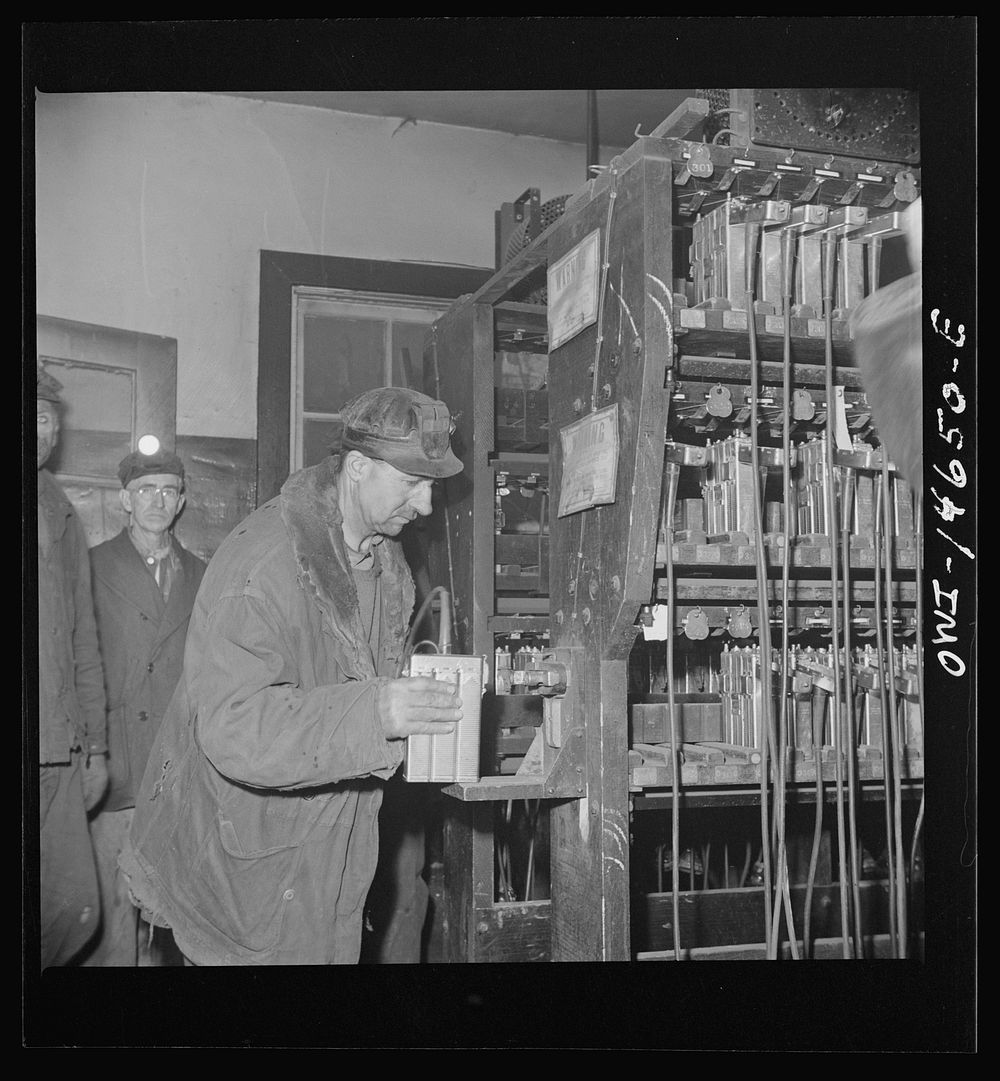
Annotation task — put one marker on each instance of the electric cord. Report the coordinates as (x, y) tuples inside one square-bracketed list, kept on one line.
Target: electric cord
[(746, 865), (671, 472), (847, 500), (829, 257), (722, 131), (532, 818), (818, 700), (786, 447), (918, 540), (601, 298), (602, 294), (887, 679), (417, 620), (505, 880), (447, 524), (887, 742), (763, 606), (425, 642), (898, 750)]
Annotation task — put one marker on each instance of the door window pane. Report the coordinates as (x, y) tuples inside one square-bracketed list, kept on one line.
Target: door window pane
[(344, 344), (316, 438), (342, 356), (408, 354)]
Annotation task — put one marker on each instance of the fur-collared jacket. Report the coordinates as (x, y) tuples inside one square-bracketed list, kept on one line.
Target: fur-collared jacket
[(255, 835)]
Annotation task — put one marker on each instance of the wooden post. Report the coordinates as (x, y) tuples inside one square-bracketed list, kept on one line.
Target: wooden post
[(602, 558)]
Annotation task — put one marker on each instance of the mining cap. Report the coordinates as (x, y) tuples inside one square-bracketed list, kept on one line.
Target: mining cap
[(48, 386), (403, 427), (138, 464)]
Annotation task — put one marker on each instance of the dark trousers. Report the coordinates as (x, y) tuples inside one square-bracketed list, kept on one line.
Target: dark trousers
[(70, 901), (397, 900)]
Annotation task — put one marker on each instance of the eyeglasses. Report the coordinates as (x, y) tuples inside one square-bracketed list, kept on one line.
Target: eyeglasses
[(149, 492)]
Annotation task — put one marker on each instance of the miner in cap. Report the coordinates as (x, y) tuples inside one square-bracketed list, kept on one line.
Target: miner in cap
[(255, 835), (72, 745), (144, 584)]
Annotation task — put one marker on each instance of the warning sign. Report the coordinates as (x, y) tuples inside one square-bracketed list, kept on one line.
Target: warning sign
[(572, 290), (590, 461)]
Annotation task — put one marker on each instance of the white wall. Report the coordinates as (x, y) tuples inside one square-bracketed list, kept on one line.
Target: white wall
[(152, 209)]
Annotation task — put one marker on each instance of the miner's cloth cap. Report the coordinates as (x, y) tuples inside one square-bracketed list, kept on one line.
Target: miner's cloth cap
[(403, 427), (138, 464), (48, 386)]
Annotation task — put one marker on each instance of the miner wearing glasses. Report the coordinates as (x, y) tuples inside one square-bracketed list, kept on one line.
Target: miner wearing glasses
[(144, 585)]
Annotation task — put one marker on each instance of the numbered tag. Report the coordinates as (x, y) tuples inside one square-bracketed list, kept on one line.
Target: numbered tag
[(700, 162), (739, 623), (696, 625), (905, 188), (803, 407), (720, 401)]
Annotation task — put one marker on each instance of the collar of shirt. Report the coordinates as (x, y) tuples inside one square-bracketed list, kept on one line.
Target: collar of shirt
[(366, 560), (150, 558)]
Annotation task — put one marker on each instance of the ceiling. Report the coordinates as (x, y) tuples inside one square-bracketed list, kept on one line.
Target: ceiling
[(547, 114)]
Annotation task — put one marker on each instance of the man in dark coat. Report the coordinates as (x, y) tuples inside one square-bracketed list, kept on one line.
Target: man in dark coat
[(72, 772), (144, 586), (255, 835)]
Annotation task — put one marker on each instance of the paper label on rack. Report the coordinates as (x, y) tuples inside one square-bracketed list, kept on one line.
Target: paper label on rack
[(572, 290), (590, 461), (841, 435), (660, 629)]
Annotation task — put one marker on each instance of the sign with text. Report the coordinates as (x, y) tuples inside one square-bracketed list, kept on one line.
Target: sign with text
[(572, 290), (590, 461)]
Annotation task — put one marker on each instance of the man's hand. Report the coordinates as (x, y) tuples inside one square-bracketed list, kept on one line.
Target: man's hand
[(95, 780), (417, 705)]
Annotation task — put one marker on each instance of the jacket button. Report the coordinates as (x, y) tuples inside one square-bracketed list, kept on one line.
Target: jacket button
[(149, 667), (143, 716), (288, 894)]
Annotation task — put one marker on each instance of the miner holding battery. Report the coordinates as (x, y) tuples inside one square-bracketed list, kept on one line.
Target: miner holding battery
[(255, 835)]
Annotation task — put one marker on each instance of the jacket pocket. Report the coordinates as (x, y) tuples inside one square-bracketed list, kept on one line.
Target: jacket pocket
[(263, 822), (245, 895)]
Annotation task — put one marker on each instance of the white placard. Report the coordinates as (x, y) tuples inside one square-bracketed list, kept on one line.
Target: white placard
[(572, 290), (841, 434), (590, 461), (659, 629)]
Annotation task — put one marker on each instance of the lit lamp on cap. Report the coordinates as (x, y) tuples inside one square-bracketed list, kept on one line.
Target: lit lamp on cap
[(152, 481), (149, 459)]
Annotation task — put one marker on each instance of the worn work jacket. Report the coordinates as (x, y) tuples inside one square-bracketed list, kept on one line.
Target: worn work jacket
[(70, 681), (142, 647), (255, 834)]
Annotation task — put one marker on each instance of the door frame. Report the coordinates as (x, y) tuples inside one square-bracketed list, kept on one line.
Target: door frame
[(280, 273)]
